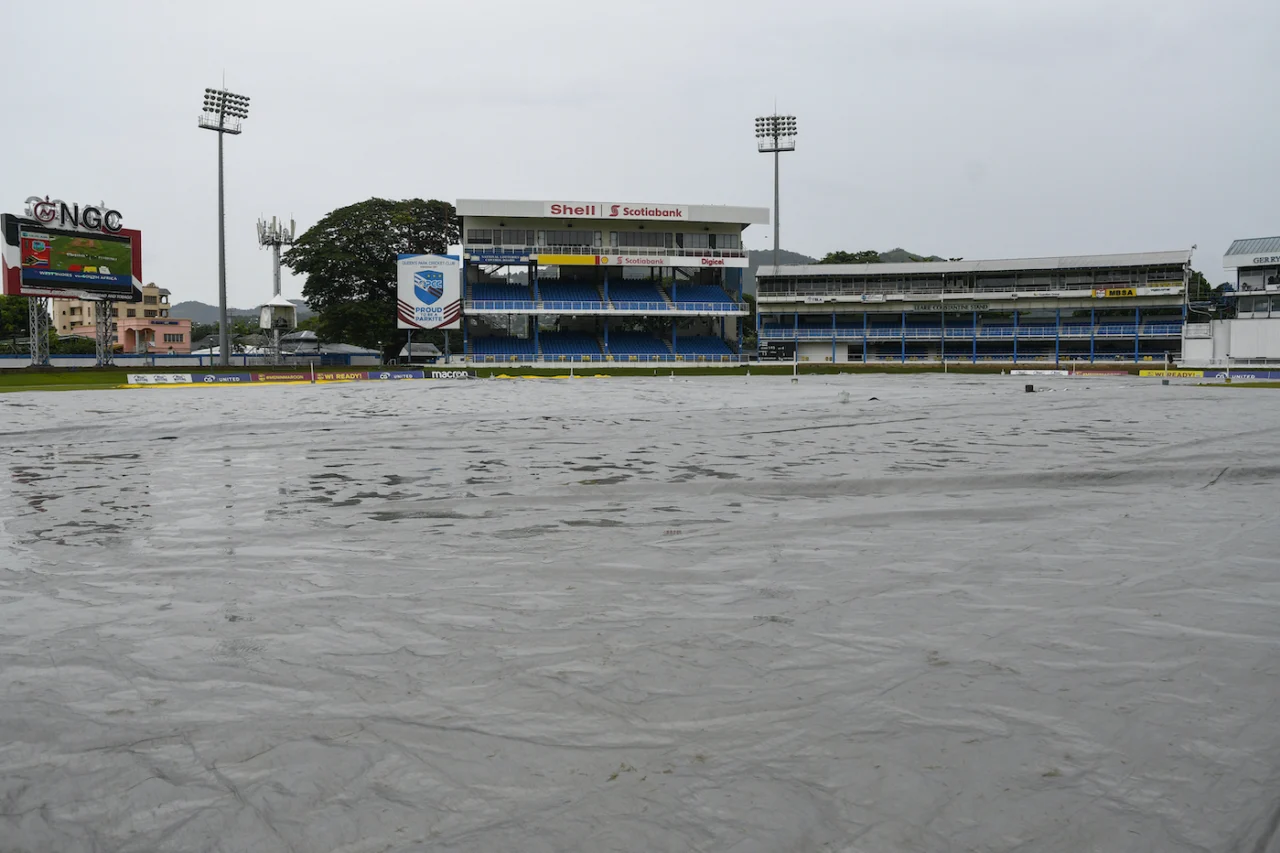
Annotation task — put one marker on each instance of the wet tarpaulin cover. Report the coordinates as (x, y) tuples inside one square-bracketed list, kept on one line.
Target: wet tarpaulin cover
[(649, 615)]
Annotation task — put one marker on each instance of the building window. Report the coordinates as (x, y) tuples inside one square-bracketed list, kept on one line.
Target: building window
[(131, 312), (150, 312), (644, 239), (148, 300), (480, 236), (173, 339), (572, 238), (518, 237), (164, 312), (115, 312), (697, 241)]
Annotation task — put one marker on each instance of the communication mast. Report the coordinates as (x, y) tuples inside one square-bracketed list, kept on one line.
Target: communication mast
[(279, 314)]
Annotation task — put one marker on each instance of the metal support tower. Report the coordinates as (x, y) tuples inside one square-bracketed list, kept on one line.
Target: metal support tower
[(275, 235), (223, 112), (776, 134), (102, 332), (39, 312)]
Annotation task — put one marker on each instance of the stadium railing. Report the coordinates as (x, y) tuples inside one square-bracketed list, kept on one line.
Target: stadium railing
[(501, 304), (1102, 330)]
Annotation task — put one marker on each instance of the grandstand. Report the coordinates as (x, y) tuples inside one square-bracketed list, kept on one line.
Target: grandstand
[(1093, 308), (548, 281)]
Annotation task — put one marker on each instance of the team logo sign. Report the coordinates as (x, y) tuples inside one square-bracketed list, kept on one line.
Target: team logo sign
[(428, 286)]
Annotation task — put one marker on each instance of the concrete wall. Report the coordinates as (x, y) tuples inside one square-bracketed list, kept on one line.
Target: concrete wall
[(819, 352), (1242, 340)]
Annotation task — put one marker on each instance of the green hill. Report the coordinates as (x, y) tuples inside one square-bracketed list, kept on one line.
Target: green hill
[(765, 256), (902, 256)]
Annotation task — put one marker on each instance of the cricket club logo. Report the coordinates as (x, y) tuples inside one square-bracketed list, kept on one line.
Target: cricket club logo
[(428, 286)]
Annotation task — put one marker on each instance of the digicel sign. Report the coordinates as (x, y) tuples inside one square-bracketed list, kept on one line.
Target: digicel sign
[(610, 210)]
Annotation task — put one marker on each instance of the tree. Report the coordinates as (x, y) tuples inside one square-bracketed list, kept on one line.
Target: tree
[(200, 331), (749, 341), (349, 259), (866, 256), (1199, 289), (241, 326), (72, 345), (13, 319)]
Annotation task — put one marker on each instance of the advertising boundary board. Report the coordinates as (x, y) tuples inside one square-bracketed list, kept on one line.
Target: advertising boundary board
[(220, 378), (161, 379), (1173, 373), (1243, 374)]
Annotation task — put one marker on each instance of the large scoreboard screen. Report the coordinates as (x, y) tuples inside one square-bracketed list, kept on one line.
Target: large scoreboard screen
[(76, 259), (42, 261)]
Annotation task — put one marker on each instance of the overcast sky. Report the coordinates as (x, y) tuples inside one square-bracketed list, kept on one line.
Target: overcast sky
[(973, 128)]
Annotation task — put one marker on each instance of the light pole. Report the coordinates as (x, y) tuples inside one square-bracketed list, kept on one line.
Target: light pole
[(776, 134), (223, 112)]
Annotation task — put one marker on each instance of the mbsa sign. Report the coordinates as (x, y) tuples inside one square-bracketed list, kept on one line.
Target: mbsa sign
[(428, 292)]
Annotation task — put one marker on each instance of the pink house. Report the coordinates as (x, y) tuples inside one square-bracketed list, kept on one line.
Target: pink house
[(135, 326)]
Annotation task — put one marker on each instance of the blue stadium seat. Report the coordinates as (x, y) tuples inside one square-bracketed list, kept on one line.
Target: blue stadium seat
[(626, 293), (708, 293), (569, 292), (708, 346), (502, 348), (574, 345), (499, 292), (624, 344)]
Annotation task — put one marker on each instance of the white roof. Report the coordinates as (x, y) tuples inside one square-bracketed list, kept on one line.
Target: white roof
[(1252, 252), (539, 209), (1136, 259)]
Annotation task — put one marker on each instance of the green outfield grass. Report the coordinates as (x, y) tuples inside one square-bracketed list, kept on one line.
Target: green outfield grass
[(1258, 384)]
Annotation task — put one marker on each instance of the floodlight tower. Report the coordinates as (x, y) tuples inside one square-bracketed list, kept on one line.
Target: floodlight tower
[(276, 234), (774, 135), (223, 112)]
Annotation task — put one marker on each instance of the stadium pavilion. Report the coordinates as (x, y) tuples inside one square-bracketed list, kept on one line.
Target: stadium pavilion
[(1098, 307), (603, 281)]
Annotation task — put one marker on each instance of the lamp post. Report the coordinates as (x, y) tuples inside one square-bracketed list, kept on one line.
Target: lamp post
[(775, 134), (223, 112)]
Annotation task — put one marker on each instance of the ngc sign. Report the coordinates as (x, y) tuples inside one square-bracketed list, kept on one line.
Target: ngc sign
[(615, 210), (57, 213)]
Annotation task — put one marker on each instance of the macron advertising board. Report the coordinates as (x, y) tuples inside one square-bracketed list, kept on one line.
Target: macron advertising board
[(428, 292)]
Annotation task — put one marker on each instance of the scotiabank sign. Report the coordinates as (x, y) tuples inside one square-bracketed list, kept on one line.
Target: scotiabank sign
[(615, 210)]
